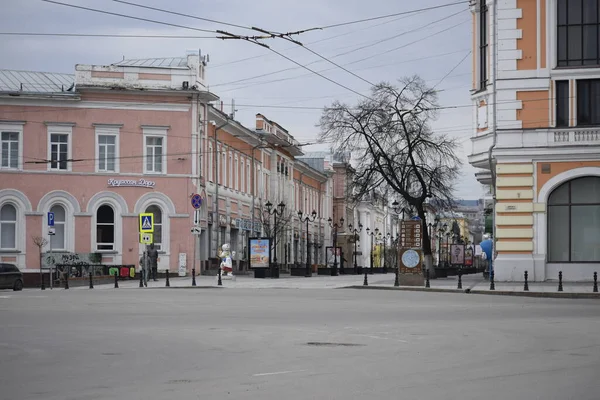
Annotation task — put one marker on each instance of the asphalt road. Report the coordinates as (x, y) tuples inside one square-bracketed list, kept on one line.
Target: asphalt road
[(295, 344)]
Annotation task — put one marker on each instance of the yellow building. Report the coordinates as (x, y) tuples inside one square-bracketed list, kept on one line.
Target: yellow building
[(536, 133)]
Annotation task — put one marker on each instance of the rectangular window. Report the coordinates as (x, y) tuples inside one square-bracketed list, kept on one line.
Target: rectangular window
[(242, 176), (211, 166), (59, 151), (230, 165), (562, 103), (107, 143), (9, 157), (577, 33), (483, 45), (224, 169), (155, 150), (588, 102), (236, 172)]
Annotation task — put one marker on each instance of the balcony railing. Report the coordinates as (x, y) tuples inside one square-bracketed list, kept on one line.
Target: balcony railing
[(577, 135)]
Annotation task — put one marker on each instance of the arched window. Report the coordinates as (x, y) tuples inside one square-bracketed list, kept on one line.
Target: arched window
[(574, 221), (105, 228), (8, 227), (58, 240), (157, 225)]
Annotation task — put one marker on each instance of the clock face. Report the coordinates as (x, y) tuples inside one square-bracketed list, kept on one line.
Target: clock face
[(410, 258)]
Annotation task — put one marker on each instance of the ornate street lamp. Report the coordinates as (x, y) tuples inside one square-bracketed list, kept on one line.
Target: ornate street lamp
[(356, 232), (277, 211), (307, 219), (335, 226), (372, 234)]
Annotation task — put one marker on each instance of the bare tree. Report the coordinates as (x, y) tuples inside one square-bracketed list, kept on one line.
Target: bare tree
[(394, 148), (275, 230), (40, 242)]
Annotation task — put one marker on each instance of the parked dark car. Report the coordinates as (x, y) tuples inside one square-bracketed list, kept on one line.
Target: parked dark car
[(10, 277)]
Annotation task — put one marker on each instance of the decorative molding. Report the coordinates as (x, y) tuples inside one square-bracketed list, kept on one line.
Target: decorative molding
[(51, 123), (56, 195), (101, 125), (99, 197), (18, 197)]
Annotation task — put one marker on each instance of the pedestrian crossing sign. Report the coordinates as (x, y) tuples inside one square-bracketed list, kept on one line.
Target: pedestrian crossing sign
[(146, 238), (146, 223)]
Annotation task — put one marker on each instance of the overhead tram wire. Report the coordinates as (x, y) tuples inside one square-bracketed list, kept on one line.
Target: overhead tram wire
[(354, 49), (105, 35)]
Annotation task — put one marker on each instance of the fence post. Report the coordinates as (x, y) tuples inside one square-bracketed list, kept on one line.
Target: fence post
[(167, 282), (560, 286), (397, 280), (595, 282), (219, 282), (117, 279), (91, 281), (366, 281), (459, 278), (193, 276), (526, 285)]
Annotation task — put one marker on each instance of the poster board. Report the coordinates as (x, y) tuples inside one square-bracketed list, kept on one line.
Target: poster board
[(330, 256), (457, 254), (260, 252)]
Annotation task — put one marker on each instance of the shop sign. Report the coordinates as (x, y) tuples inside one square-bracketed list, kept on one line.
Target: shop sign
[(131, 183)]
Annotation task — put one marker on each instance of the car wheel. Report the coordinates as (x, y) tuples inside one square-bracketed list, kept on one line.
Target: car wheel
[(18, 285)]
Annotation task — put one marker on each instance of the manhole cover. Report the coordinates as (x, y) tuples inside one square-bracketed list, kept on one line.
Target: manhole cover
[(331, 344)]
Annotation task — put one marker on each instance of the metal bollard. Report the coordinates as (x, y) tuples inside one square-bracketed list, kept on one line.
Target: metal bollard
[(141, 277), (397, 280), (116, 279), (219, 282), (459, 279), (167, 282), (492, 284), (66, 280), (560, 287), (43, 287), (193, 276), (366, 281), (595, 282), (526, 285), (91, 281), (427, 285)]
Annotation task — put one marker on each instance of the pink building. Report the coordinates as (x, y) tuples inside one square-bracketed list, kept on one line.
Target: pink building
[(98, 148)]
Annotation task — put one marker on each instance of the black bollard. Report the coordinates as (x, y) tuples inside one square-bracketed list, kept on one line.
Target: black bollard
[(560, 287), (67, 280), (219, 282), (397, 280), (366, 281), (42, 276), (116, 279), (193, 276), (595, 282), (141, 277), (91, 281), (427, 285), (459, 279), (526, 285), (492, 284), (167, 282)]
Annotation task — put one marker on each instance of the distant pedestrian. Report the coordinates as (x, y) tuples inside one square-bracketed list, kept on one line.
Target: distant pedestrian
[(153, 258)]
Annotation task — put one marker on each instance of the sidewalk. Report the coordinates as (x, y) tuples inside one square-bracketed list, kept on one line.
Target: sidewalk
[(470, 283)]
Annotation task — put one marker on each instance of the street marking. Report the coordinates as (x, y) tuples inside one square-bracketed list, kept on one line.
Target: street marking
[(278, 373)]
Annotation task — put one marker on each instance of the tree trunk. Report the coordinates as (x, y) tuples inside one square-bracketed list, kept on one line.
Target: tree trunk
[(428, 257)]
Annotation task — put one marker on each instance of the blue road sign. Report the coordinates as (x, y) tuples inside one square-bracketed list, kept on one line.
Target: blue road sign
[(196, 201), (416, 218), (50, 219)]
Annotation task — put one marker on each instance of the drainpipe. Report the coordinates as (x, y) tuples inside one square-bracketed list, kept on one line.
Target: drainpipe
[(216, 168), (494, 124)]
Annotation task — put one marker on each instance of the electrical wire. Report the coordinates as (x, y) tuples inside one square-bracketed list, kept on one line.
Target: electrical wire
[(106, 35)]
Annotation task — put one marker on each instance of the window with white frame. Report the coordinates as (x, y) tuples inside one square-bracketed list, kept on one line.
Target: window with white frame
[(105, 228), (248, 176), (9, 157), (8, 227), (59, 148), (107, 149), (236, 173), (242, 175), (155, 150), (230, 165), (158, 233), (211, 166), (58, 240), (224, 168)]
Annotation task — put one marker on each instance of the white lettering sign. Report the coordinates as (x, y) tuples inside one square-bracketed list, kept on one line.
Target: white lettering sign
[(131, 183)]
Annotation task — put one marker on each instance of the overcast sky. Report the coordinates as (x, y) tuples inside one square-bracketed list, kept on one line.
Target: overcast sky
[(386, 45)]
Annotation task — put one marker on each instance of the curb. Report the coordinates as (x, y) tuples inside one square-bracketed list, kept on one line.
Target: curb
[(557, 295)]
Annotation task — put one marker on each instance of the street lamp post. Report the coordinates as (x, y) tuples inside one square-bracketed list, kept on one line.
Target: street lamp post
[(307, 219), (374, 233), (385, 239), (356, 232), (277, 211), (448, 248), (335, 226)]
